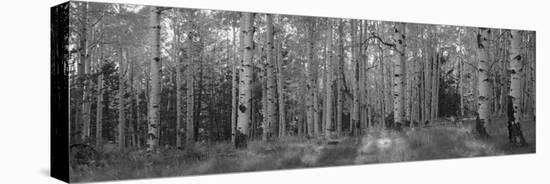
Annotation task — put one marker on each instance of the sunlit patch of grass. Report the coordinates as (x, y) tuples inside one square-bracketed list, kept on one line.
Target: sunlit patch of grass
[(340, 154)]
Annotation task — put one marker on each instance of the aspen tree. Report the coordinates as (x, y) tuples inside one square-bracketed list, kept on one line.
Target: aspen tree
[(483, 82), (354, 120), (82, 66), (155, 70), (178, 56), (234, 85), (190, 97), (271, 101), (339, 78), (99, 104), (516, 70), (329, 82), (245, 76), (399, 73), (310, 84), (121, 99), (282, 122)]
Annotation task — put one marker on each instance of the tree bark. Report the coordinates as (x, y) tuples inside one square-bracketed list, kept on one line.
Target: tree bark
[(339, 78), (271, 101), (154, 103), (399, 74), (121, 99), (329, 83), (354, 120), (82, 66), (245, 76), (280, 83), (179, 79), (515, 134), (460, 87), (99, 104), (362, 81), (383, 72), (483, 111), (310, 84), (428, 81), (234, 85), (190, 119)]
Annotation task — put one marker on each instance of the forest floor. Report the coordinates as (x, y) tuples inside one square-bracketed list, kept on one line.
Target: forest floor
[(438, 141)]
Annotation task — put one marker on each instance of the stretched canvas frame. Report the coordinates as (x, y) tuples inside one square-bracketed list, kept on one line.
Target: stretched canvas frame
[(485, 80)]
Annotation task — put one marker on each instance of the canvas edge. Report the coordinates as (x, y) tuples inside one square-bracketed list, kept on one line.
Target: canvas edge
[(59, 92)]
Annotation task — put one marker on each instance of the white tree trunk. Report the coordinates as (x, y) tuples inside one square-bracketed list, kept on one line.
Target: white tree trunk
[(483, 82), (271, 101), (280, 82), (121, 100), (190, 99), (399, 72), (155, 70), (99, 104), (339, 78), (234, 87), (82, 66), (383, 72), (516, 70), (245, 76), (310, 84), (179, 79), (329, 83)]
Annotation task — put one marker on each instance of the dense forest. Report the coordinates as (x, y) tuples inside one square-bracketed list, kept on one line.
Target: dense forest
[(181, 87)]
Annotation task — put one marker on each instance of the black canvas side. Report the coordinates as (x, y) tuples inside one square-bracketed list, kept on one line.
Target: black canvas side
[(59, 81)]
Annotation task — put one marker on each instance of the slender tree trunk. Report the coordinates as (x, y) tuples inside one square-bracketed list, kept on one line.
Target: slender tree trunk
[(435, 78), (314, 79), (399, 74), (483, 120), (154, 103), (310, 84), (322, 90), (410, 84), (461, 87), (280, 83), (189, 122), (265, 117), (339, 78), (82, 65), (234, 86), (361, 80), (515, 134), (244, 84), (99, 104), (315, 107), (428, 82), (503, 80), (130, 91), (121, 100), (271, 101), (354, 119), (384, 89), (179, 79), (139, 130), (329, 83), (200, 88), (422, 92)]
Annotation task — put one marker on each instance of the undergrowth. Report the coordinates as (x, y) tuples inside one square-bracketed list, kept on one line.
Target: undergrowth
[(377, 146)]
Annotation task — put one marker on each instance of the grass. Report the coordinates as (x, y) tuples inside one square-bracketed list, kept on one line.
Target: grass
[(436, 142)]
